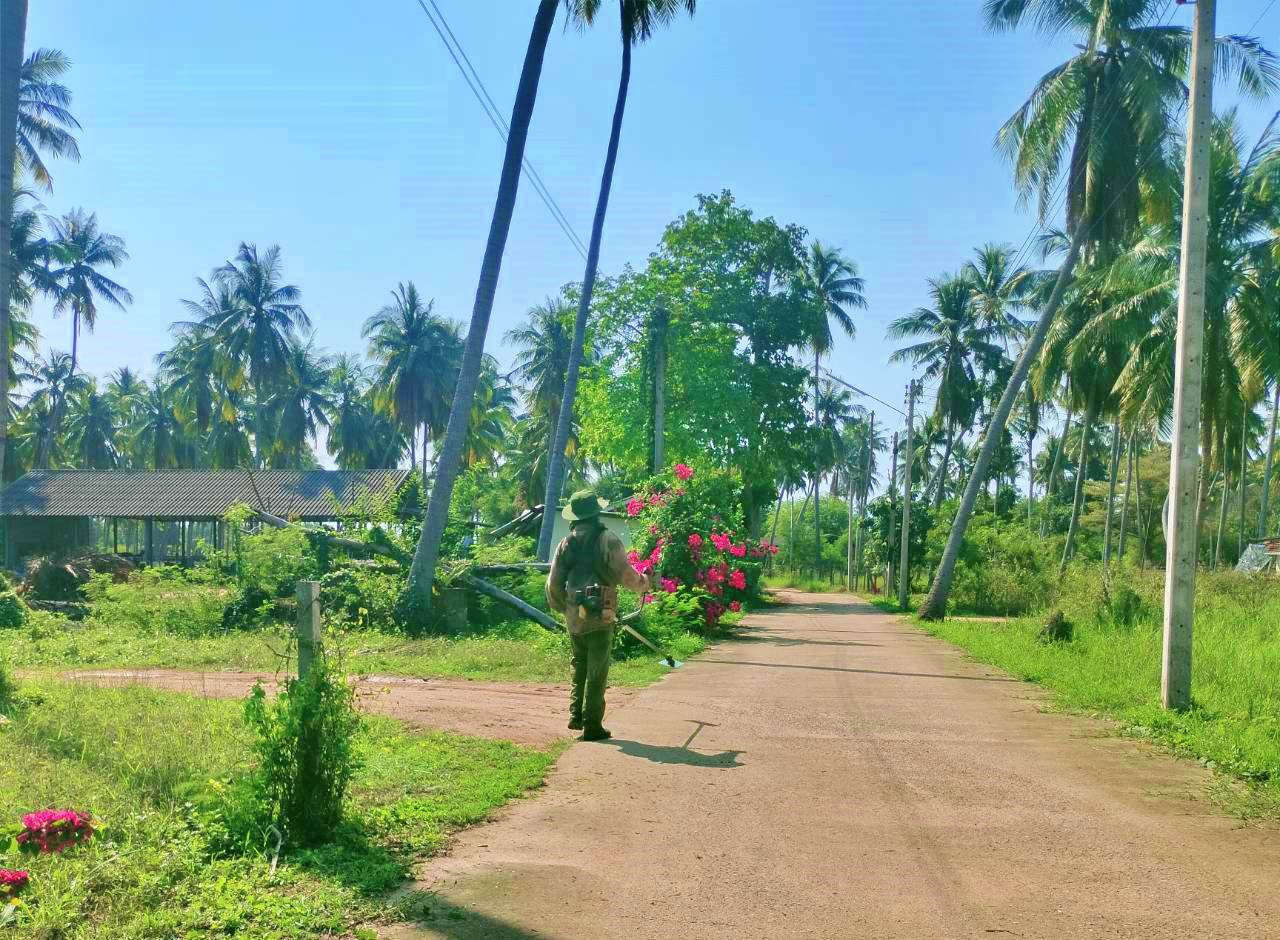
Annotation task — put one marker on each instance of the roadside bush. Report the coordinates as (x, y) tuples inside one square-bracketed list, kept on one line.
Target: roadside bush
[(13, 612), (1002, 570), (162, 599), (365, 594), (306, 752), (693, 541)]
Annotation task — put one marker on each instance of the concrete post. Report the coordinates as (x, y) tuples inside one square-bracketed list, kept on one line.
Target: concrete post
[(309, 626)]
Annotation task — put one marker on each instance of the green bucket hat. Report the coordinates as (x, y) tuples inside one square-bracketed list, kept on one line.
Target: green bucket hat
[(584, 504)]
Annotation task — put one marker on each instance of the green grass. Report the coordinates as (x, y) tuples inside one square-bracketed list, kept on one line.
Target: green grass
[(805, 583), (1112, 668), (138, 758), (516, 653)]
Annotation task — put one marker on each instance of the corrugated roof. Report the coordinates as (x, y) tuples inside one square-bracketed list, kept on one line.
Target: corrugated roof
[(192, 494)]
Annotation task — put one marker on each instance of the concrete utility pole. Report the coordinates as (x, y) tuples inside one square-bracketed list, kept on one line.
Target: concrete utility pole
[(893, 487), (904, 569), (1184, 461)]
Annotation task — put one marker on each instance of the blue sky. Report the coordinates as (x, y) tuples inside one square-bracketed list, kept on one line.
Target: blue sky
[(344, 133)]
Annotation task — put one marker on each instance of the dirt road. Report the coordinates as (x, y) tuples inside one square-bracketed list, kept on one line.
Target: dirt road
[(837, 774), (525, 714)]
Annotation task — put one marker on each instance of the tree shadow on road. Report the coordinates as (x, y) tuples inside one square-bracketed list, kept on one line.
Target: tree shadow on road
[(440, 918)]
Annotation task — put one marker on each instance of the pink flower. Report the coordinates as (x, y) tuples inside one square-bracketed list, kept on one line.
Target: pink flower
[(695, 541), (648, 598), (721, 541), (655, 556), (633, 556), (53, 830), (735, 606), (716, 589), (683, 471), (656, 500), (653, 529), (738, 580), (633, 507), (670, 585), (642, 565), (773, 549), (12, 882), (714, 575), (738, 551)]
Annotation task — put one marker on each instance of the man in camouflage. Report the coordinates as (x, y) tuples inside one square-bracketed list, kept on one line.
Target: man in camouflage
[(589, 566)]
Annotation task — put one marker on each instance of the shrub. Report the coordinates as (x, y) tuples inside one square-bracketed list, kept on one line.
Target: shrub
[(1057, 629), (306, 753), (13, 612), (365, 594), (692, 539), (159, 600), (8, 690)]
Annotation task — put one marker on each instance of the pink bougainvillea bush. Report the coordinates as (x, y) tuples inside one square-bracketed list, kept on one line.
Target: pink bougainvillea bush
[(11, 883), (54, 830), (691, 538)]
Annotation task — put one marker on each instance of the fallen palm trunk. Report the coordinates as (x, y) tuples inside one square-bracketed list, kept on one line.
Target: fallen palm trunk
[(540, 617), (337, 541), (513, 568)]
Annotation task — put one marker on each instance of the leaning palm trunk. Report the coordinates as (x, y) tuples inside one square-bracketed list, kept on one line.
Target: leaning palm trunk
[(1124, 507), (422, 572), (1111, 492), (1077, 501), (935, 604), (817, 470), (13, 30), (555, 463), (1266, 473), (1244, 471), (1222, 521)]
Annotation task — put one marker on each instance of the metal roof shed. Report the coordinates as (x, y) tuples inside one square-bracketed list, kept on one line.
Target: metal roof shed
[(54, 510)]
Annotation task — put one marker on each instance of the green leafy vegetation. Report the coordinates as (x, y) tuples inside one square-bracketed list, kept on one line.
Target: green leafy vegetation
[(154, 770)]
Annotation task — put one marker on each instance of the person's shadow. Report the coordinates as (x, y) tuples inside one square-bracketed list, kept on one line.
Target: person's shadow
[(662, 754)]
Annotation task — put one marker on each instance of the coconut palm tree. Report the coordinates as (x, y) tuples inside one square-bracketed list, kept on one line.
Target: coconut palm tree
[(953, 343), (418, 355), (158, 429), (492, 416), (13, 31), (79, 249), (44, 121), (422, 572), (543, 341), (256, 320), (638, 20), (92, 428), (350, 416), (836, 288), (1096, 121), (300, 406), (191, 369), (1000, 289), (55, 380)]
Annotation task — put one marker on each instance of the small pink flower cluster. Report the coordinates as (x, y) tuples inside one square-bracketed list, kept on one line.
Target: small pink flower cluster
[(633, 507), (695, 541), (54, 830), (670, 585), (683, 471), (12, 882), (721, 541)]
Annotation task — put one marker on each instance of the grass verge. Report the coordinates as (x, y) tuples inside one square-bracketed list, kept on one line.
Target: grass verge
[(141, 760), (517, 653)]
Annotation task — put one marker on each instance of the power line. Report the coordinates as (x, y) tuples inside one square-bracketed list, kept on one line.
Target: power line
[(491, 111), (835, 378), (1265, 11)]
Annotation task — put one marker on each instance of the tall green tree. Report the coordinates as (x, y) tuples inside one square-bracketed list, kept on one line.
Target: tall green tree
[(79, 251), (837, 288), (543, 342), (423, 571), (92, 427), (418, 355), (256, 320), (1094, 121), (953, 341), (638, 19), (45, 122), (300, 406)]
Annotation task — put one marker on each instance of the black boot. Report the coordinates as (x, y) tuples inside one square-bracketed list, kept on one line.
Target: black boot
[(597, 733), (575, 724)]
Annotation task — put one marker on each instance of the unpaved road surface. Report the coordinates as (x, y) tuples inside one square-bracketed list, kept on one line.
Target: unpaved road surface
[(525, 714), (837, 774)]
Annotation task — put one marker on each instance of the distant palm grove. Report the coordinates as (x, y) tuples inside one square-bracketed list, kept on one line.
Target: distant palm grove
[(716, 351)]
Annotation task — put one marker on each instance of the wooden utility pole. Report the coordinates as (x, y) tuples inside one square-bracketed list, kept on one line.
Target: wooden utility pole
[(866, 483), (308, 625), (893, 488), (1184, 461), (904, 568)]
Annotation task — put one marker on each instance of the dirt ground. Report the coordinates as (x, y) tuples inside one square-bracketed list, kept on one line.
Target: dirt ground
[(835, 774), (525, 714)]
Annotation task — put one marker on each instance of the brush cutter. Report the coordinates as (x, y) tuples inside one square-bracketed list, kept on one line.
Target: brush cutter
[(667, 659)]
